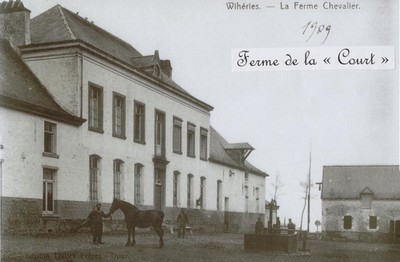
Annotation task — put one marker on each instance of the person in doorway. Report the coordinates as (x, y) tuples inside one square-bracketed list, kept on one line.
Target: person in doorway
[(182, 222), (259, 227), (291, 227), (95, 222)]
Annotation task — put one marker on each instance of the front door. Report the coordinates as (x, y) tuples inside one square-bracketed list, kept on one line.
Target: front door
[(159, 189)]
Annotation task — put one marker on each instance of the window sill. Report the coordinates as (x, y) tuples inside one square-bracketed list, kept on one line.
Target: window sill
[(204, 159), (191, 156), (100, 131), (119, 136), (177, 152), (48, 154), (139, 142), (50, 215)]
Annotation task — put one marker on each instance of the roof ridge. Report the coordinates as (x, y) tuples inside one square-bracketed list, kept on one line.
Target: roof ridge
[(59, 7)]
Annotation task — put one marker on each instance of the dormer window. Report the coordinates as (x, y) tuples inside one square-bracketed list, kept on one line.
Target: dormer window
[(157, 71), (366, 197)]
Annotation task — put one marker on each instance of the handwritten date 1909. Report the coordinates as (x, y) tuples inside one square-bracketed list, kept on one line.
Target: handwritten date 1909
[(313, 28)]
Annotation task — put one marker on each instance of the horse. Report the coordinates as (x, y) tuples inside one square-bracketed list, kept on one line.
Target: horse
[(138, 218)]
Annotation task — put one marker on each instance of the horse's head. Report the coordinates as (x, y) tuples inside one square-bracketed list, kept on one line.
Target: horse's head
[(116, 204)]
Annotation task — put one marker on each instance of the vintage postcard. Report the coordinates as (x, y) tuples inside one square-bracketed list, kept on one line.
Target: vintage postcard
[(199, 130)]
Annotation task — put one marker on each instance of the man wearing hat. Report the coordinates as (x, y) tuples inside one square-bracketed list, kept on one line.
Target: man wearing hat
[(95, 221)]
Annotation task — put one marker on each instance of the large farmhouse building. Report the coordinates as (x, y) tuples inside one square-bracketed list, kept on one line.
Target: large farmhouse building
[(86, 118), (361, 202)]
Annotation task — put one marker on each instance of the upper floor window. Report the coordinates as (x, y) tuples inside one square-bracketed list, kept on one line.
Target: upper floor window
[(118, 115), (160, 133), (138, 184), (203, 143), (95, 108), (118, 164), (94, 165), (191, 132), (50, 136), (177, 136), (139, 122), (48, 190)]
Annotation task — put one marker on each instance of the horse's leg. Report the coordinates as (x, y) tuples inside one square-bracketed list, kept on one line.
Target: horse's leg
[(133, 236), (160, 233), (128, 243)]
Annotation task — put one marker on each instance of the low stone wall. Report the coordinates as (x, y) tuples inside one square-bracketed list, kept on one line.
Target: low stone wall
[(270, 242)]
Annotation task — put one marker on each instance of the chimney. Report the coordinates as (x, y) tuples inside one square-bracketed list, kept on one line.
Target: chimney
[(15, 23)]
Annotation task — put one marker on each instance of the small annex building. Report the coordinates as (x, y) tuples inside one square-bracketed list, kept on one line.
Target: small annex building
[(361, 202)]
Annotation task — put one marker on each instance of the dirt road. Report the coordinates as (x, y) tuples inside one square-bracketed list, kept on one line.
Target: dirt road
[(224, 247)]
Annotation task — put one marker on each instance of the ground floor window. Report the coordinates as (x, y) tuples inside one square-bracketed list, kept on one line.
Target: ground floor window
[(347, 222), (48, 190), (373, 222)]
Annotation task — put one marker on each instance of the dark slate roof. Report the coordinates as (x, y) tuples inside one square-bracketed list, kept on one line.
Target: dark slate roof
[(218, 154), (59, 24), (347, 182), (21, 90)]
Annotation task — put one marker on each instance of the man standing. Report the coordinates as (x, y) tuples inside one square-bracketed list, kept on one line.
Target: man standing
[(259, 227), (291, 227), (95, 221), (182, 221)]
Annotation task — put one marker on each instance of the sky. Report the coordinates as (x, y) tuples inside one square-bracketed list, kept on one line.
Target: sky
[(338, 117)]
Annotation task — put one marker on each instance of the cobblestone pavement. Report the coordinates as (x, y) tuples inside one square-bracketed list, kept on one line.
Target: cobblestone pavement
[(221, 247)]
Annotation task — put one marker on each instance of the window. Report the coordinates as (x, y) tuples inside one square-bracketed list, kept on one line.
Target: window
[(138, 184), (202, 192), (117, 178), (246, 198), (50, 138), (203, 143), (94, 175), (191, 131), (176, 189), (48, 190), (246, 176), (373, 222), (159, 133), (190, 191), (219, 194), (257, 199), (95, 108), (366, 200), (139, 120), (177, 136), (347, 222), (118, 115)]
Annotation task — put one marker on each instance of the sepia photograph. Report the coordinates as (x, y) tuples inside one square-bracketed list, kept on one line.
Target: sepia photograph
[(188, 130)]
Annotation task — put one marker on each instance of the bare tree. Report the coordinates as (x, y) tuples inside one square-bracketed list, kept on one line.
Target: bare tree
[(277, 185), (305, 190)]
